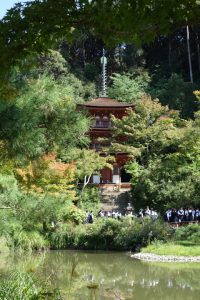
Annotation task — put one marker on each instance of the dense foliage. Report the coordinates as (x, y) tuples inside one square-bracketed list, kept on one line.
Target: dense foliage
[(49, 65), (22, 286), (165, 155), (109, 234), (44, 154), (114, 21)]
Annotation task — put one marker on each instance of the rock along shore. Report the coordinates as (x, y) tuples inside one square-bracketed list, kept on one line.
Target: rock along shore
[(165, 258)]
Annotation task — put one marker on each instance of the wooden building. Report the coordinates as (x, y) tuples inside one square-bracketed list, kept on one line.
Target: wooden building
[(101, 109)]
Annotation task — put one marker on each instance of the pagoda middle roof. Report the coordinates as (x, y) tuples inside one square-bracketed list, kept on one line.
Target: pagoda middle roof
[(106, 102)]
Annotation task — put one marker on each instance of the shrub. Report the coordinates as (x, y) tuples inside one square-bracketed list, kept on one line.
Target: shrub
[(62, 238), (109, 234), (19, 286), (74, 214), (190, 233), (140, 232), (90, 199), (27, 240)]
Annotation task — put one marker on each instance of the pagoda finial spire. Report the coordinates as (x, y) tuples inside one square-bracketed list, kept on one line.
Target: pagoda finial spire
[(104, 75)]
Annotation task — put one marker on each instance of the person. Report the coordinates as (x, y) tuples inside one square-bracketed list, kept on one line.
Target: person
[(90, 217), (116, 215), (101, 214), (180, 215), (193, 214), (113, 214), (108, 214), (119, 215), (147, 212), (140, 214), (154, 214), (186, 215), (86, 218), (168, 215), (197, 214), (174, 216), (190, 214)]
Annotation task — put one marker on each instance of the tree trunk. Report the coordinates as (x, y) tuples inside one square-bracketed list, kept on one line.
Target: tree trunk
[(189, 54), (83, 53), (86, 181), (169, 53), (198, 50)]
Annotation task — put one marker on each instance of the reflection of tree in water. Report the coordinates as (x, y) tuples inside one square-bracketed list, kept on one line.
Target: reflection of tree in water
[(101, 275)]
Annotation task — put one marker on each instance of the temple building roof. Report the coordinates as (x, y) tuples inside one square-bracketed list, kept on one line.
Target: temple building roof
[(106, 102)]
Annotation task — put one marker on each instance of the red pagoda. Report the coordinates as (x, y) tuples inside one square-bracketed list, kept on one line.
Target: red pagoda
[(101, 110)]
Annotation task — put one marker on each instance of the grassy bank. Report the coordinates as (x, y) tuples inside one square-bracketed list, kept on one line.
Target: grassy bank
[(172, 249), (184, 241), (110, 234)]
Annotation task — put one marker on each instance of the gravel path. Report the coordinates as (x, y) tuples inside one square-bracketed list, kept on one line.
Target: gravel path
[(165, 258)]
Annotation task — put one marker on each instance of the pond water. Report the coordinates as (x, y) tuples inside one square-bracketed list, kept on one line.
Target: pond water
[(109, 275)]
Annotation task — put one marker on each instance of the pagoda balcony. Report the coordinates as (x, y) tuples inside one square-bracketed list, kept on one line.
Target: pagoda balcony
[(101, 125), (100, 147)]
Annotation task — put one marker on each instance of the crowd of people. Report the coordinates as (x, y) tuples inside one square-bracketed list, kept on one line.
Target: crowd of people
[(115, 214), (174, 215), (148, 212)]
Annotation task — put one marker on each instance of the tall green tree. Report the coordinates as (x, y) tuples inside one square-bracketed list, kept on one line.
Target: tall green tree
[(164, 152), (23, 34), (129, 87), (43, 118)]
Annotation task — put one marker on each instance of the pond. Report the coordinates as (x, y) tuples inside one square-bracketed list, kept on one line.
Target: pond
[(108, 275)]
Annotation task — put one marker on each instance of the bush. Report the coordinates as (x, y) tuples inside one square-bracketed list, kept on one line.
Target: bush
[(140, 233), (62, 238), (188, 234), (19, 286), (27, 240), (109, 234), (74, 214), (90, 200)]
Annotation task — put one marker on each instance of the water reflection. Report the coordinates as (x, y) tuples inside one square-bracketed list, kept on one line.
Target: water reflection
[(84, 275)]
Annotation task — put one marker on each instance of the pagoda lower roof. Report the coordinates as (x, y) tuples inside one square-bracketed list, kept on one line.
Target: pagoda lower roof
[(106, 102)]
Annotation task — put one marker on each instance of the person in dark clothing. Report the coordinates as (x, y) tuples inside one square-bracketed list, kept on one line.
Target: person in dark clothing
[(90, 217), (180, 215), (174, 216), (167, 216), (197, 214), (186, 215), (190, 214)]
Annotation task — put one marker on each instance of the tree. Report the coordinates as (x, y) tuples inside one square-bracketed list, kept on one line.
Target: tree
[(23, 34), (172, 178), (129, 87), (54, 64), (87, 162), (189, 54), (148, 129), (165, 161), (176, 93), (47, 175), (43, 118)]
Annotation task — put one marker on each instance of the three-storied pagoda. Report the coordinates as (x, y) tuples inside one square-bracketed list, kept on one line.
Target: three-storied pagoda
[(101, 110)]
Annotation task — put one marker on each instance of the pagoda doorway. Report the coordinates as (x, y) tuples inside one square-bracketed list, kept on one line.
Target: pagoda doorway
[(106, 175), (125, 177)]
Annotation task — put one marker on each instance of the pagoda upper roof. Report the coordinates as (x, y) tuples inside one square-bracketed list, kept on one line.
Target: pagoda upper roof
[(107, 102)]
